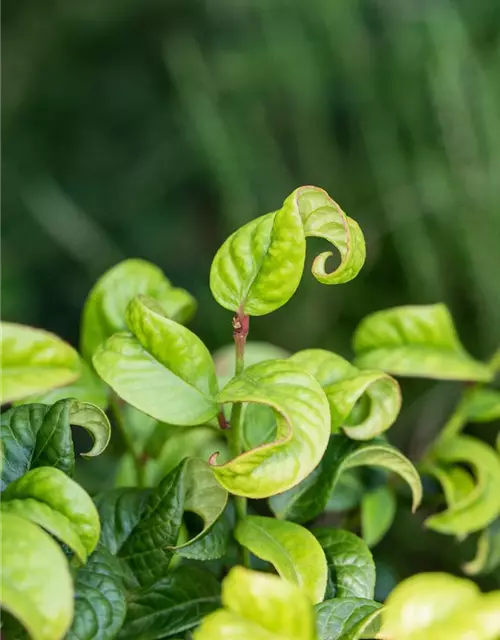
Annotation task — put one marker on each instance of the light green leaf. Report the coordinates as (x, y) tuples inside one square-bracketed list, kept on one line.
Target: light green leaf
[(36, 585), (479, 507), (345, 386), (161, 368), (458, 484), (259, 606), (378, 508), (255, 352), (487, 557), (87, 388), (483, 405), (303, 426), (47, 497), (173, 605), (142, 526), (100, 599), (416, 341), (347, 618), (310, 497), (438, 606), (259, 267), (351, 570), (104, 311), (34, 361), (37, 435), (294, 551)]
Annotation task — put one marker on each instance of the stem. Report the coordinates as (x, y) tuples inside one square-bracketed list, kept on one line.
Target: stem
[(114, 407), (240, 333)]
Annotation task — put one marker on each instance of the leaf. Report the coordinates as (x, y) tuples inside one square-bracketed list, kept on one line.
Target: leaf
[(438, 606), (259, 606), (161, 368), (309, 499), (100, 599), (255, 352), (378, 509), (47, 497), (345, 386), (416, 341), (34, 361), (87, 388), (141, 527), (36, 585), (104, 310), (487, 557), (482, 505), (259, 267), (173, 605), (351, 570), (292, 550), (347, 494), (303, 425), (37, 435), (347, 618), (482, 405)]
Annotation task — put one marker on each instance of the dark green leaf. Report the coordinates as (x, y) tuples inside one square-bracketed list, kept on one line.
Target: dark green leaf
[(347, 618), (378, 508)]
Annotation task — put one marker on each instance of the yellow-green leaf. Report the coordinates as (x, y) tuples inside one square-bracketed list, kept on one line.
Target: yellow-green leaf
[(416, 341), (487, 557), (303, 427)]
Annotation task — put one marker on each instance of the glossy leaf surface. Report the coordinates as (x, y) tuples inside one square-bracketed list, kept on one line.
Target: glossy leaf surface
[(36, 435), (378, 508), (100, 599), (487, 557), (36, 585), (438, 606), (259, 267), (347, 618), (34, 361), (416, 341), (294, 551), (309, 499), (303, 427), (173, 605), (161, 368), (480, 506), (259, 606), (351, 570), (345, 385), (47, 497), (104, 311)]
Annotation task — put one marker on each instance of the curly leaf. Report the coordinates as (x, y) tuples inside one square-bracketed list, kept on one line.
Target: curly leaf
[(161, 368), (347, 618), (36, 585), (142, 526), (487, 557), (294, 551), (308, 499), (378, 508), (303, 426), (100, 599), (34, 361), (37, 435), (255, 352), (351, 570), (104, 311), (345, 386), (482, 405), (173, 605), (259, 606), (47, 497), (438, 606), (259, 267), (87, 388), (416, 341), (479, 507)]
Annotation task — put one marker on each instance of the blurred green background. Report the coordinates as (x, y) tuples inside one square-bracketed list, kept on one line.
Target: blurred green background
[(154, 128)]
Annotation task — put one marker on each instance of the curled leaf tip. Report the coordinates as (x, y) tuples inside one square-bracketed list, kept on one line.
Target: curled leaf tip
[(213, 458), (95, 422)]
